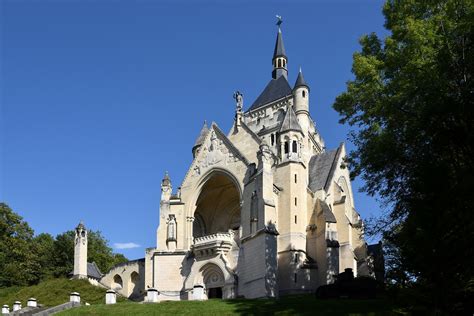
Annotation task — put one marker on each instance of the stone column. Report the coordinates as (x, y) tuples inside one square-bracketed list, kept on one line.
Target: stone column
[(110, 297), (152, 295), (75, 297), (5, 309), (16, 306), (32, 302)]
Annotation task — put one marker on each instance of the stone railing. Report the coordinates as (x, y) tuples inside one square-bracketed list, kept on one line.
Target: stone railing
[(214, 244)]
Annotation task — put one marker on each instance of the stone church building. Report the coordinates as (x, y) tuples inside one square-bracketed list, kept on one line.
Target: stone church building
[(264, 210)]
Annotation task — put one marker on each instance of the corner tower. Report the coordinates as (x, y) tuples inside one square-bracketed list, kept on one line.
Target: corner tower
[(80, 252), (301, 97)]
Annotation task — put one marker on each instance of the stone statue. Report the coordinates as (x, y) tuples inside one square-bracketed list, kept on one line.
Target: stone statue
[(239, 100)]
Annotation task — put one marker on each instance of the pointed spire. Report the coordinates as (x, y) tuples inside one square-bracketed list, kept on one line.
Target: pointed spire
[(290, 122), (300, 82), (279, 46)]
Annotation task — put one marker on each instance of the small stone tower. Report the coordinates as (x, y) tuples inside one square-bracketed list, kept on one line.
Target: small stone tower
[(80, 252), (301, 95)]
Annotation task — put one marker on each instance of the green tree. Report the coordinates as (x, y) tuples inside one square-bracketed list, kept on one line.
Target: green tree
[(98, 251), (18, 262), (411, 106), (43, 248)]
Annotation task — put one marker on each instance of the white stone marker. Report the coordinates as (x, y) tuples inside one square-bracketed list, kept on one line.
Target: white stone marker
[(16, 306), (110, 297), (198, 292), (5, 309), (75, 297), (32, 302), (152, 295)]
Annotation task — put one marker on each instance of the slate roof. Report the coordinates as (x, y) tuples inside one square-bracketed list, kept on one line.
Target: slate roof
[(93, 271), (300, 82), (275, 89), (279, 47), (202, 135), (321, 169), (290, 122), (327, 213)]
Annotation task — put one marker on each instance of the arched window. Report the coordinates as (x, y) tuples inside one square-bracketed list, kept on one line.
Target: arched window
[(295, 147), (303, 93), (118, 283), (284, 63), (272, 137), (279, 63), (287, 147)]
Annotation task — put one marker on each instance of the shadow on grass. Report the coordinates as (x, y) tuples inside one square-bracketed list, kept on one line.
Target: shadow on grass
[(309, 305)]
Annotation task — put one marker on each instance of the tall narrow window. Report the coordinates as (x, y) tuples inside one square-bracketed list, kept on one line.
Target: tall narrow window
[(279, 63), (303, 93), (272, 137), (295, 147), (296, 278), (287, 147), (296, 219), (296, 201), (296, 178)]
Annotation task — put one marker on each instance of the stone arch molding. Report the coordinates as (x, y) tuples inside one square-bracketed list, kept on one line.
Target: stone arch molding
[(211, 273), (206, 177)]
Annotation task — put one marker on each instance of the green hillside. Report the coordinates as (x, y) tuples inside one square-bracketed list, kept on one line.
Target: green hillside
[(293, 305), (54, 292)]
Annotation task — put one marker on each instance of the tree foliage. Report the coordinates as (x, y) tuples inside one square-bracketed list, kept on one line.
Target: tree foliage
[(27, 259), (411, 106)]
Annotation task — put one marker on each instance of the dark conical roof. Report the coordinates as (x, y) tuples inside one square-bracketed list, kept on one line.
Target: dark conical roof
[(300, 82), (290, 122), (275, 89), (279, 47), (202, 135)]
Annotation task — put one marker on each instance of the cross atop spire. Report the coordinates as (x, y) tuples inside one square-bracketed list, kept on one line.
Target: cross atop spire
[(280, 21)]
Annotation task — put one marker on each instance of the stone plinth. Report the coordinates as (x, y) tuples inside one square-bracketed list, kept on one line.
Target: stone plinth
[(16, 306), (152, 295), (110, 297), (32, 302), (5, 309), (75, 297)]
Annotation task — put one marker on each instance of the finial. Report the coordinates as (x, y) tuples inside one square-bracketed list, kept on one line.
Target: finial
[(205, 122), (300, 69), (280, 21)]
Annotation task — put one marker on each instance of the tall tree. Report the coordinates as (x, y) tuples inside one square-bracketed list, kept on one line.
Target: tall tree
[(18, 263), (411, 108)]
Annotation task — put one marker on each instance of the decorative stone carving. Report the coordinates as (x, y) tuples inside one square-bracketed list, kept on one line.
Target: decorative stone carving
[(171, 232)]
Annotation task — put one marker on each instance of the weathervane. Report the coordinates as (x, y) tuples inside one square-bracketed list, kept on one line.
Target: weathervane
[(280, 20)]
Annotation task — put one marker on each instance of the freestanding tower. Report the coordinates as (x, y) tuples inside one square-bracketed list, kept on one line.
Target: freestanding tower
[(80, 252)]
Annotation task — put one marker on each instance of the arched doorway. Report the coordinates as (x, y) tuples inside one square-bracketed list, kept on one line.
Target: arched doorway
[(217, 207), (213, 280)]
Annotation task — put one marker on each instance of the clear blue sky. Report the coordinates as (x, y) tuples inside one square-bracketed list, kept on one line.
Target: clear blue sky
[(100, 97)]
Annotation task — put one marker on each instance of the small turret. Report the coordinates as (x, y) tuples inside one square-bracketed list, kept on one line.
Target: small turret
[(166, 187), (80, 252), (301, 97)]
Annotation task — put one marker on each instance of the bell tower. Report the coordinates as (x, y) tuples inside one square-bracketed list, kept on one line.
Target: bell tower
[(80, 252), (279, 60)]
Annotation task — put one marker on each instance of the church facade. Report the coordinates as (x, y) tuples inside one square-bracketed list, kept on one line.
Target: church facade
[(264, 210)]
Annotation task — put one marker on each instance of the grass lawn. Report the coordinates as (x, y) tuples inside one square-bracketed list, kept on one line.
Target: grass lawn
[(292, 305), (53, 292)]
